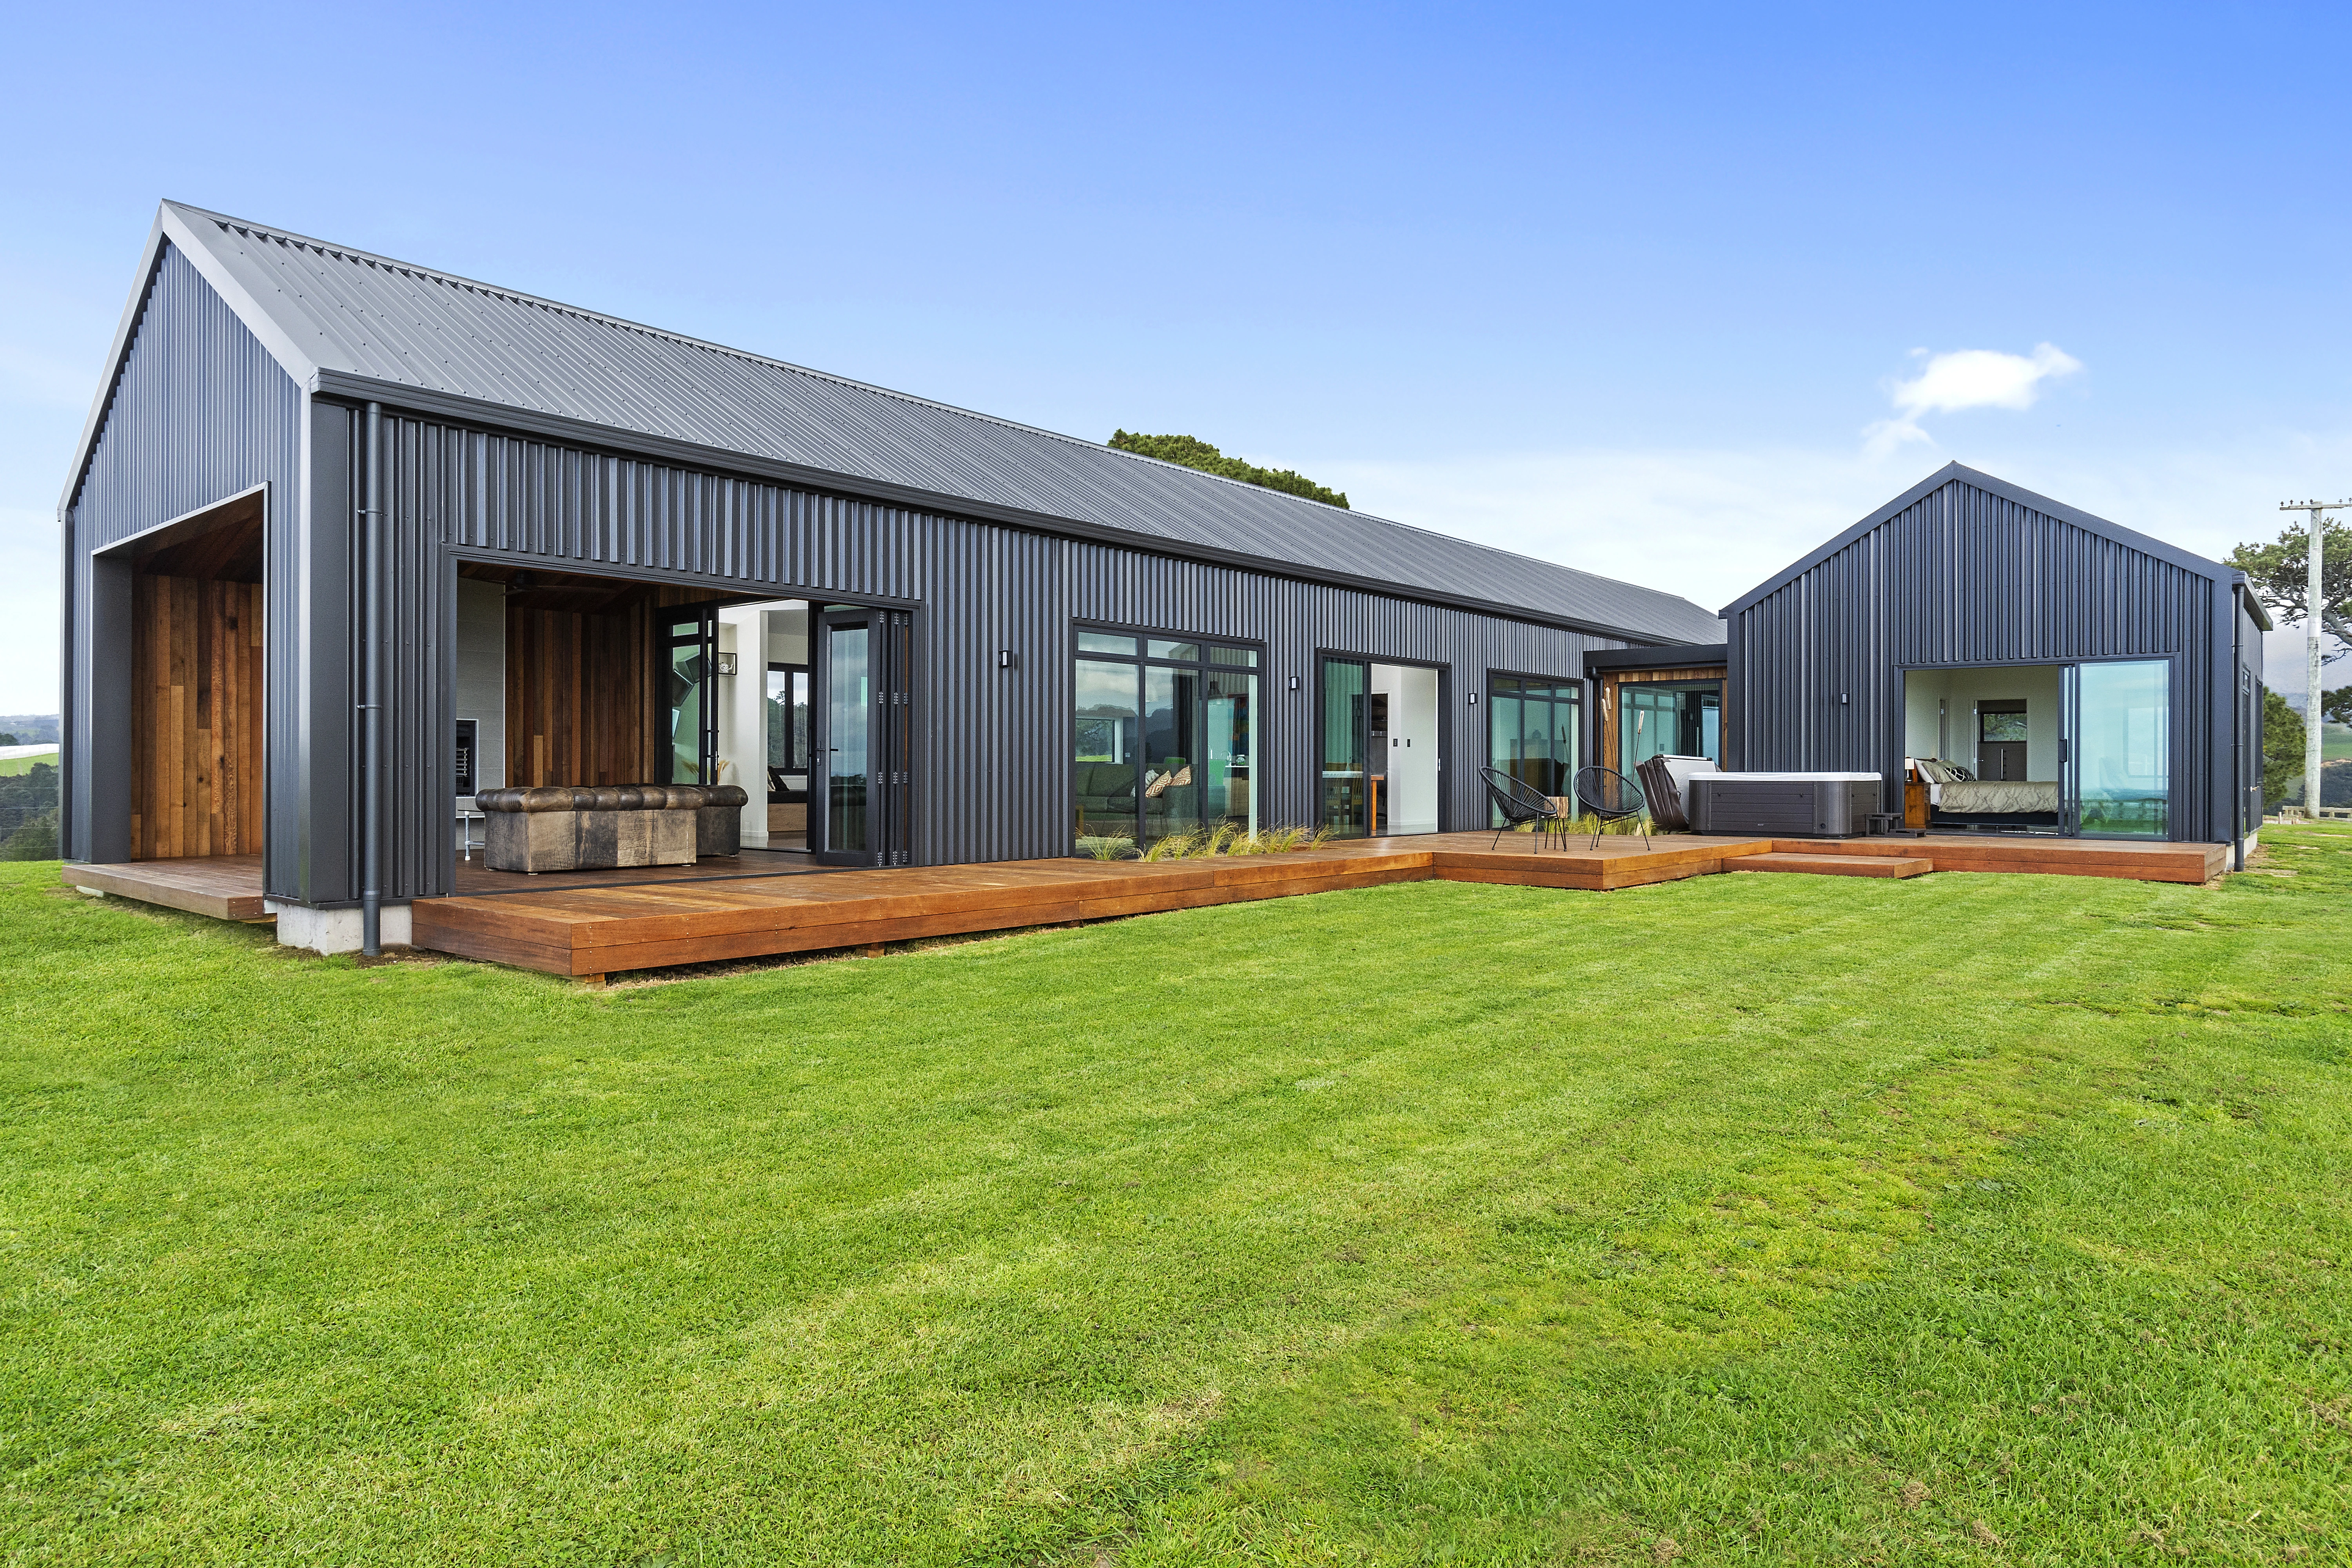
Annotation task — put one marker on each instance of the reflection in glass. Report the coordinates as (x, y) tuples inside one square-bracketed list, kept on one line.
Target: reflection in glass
[(1160, 648), (1231, 731), (1668, 718), (1105, 642), (850, 713), (2124, 755), (1347, 795), (1172, 763), (1105, 774), (687, 695), (1532, 730)]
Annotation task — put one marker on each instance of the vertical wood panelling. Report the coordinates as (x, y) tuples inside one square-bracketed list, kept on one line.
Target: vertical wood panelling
[(580, 696), (199, 669)]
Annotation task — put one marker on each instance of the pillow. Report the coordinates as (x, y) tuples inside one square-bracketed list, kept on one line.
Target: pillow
[(1932, 770)]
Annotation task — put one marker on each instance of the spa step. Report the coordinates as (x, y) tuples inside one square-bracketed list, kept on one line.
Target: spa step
[(1833, 865)]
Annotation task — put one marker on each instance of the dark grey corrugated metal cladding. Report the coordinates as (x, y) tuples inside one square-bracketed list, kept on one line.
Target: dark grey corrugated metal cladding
[(1965, 569), (198, 412), (518, 429), (993, 743)]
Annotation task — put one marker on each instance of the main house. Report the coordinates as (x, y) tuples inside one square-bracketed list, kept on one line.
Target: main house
[(350, 541)]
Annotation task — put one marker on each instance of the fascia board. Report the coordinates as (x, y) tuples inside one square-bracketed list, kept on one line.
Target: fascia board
[(504, 417), (262, 322)]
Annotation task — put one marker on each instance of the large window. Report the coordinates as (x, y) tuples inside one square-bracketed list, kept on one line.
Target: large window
[(1668, 718), (1532, 731), (1166, 736)]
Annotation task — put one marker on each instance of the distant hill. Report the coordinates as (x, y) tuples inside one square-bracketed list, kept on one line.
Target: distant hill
[(1195, 453), (30, 729)]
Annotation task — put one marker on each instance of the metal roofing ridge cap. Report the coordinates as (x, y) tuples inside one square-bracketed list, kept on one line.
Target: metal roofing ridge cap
[(2147, 544), (1190, 475)]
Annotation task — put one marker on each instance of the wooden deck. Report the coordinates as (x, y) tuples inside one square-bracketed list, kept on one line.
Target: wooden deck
[(597, 923), (225, 887)]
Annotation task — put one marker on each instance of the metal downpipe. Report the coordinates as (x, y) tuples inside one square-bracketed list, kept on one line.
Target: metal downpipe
[(371, 688)]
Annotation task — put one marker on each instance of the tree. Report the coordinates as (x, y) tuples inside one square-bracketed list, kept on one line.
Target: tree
[(2282, 749), (1194, 453), (2336, 706), (2276, 573)]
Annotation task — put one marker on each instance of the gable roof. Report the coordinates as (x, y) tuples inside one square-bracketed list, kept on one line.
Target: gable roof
[(353, 324), (1961, 473)]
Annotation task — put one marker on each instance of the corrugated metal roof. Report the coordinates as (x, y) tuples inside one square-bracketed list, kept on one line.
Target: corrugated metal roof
[(336, 309)]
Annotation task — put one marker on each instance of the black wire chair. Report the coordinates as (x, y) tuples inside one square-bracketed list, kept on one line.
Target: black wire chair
[(1610, 797), (1520, 804)]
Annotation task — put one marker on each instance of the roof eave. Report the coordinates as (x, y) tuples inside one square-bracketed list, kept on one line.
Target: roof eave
[(433, 402)]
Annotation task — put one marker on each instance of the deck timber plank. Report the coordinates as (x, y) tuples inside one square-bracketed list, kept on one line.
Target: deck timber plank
[(1881, 866), (225, 886)]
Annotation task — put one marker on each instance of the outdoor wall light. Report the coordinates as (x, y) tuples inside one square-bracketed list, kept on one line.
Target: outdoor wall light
[(1473, 699), (1004, 658), (1294, 683), (726, 664)]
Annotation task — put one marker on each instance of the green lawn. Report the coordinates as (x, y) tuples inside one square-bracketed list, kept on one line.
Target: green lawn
[(1749, 1219), (2335, 742), (12, 767)]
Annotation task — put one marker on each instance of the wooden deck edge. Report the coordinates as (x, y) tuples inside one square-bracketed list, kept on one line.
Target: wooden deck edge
[(218, 906)]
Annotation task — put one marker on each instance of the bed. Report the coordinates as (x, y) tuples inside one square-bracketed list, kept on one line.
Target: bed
[(1955, 798)]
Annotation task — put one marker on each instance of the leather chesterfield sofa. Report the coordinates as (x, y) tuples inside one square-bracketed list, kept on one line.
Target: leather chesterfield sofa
[(565, 827)]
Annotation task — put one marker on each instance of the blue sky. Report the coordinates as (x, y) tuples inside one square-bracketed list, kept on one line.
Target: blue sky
[(1671, 294)]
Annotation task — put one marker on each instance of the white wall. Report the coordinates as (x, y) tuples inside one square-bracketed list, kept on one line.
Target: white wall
[(773, 631), (1959, 691), (481, 675), (1412, 787)]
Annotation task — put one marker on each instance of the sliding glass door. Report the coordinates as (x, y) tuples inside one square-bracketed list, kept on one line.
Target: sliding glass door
[(2118, 769), (1381, 765)]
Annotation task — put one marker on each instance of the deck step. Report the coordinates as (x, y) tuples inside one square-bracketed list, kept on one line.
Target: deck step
[(1834, 865)]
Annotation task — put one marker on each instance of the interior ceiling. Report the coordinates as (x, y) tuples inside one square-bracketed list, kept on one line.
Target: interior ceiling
[(224, 544), (529, 588)]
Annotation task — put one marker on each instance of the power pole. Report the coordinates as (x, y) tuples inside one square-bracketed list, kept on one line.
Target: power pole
[(2315, 605)]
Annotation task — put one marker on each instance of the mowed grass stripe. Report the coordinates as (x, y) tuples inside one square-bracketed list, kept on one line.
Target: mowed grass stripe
[(1753, 1214)]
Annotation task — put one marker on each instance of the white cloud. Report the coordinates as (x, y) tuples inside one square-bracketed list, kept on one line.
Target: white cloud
[(1966, 378)]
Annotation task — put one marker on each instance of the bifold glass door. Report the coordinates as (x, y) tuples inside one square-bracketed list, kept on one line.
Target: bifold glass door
[(865, 741), (689, 656), (2118, 762)]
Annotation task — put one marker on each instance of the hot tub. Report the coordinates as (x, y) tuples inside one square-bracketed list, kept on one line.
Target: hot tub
[(1790, 805)]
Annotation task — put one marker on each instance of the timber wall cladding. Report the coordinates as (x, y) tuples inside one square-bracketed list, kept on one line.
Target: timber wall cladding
[(196, 717), (579, 697)]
